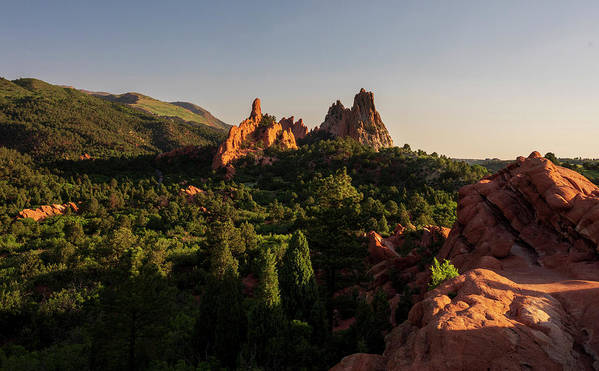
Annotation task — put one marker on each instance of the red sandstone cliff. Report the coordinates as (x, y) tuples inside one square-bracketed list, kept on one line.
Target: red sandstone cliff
[(246, 137), (526, 242), (362, 122)]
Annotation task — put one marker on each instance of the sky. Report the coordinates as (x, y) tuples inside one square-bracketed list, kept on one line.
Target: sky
[(468, 79)]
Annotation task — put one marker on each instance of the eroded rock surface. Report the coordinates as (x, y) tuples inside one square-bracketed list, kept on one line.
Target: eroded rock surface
[(362, 122), (251, 136), (482, 320), (532, 207), (298, 128)]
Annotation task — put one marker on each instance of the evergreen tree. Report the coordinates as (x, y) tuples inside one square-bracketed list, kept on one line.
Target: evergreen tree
[(296, 277), (383, 227), (220, 328), (134, 312), (266, 321), (404, 216), (333, 231)]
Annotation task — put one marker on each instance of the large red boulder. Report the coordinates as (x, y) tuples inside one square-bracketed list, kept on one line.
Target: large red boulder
[(482, 320), (547, 211)]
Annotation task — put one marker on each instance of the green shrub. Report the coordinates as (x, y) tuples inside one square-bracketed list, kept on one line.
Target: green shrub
[(441, 272)]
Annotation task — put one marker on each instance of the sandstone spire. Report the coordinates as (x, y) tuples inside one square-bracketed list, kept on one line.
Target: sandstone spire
[(362, 122), (256, 114)]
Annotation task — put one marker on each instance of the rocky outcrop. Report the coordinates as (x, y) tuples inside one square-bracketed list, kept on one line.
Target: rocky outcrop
[(298, 128), (252, 135), (534, 208), (362, 122), (482, 320), (190, 191), (525, 241), (402, 254), (47, 211)]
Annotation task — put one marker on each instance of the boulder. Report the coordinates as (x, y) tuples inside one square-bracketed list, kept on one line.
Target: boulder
[(532, 207), (482, 320)]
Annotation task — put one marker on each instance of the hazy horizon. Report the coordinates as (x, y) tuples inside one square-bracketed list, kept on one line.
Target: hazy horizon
[(465, 79)]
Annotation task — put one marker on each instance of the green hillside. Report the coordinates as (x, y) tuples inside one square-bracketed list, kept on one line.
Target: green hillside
[(53, 122), (185, 111)]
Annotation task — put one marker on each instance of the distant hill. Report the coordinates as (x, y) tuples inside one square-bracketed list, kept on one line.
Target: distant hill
[(491, 164), (184, 110), (54, 122)]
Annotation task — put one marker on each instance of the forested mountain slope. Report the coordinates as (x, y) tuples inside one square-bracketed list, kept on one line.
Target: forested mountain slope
[(52, 122), (185, 111)]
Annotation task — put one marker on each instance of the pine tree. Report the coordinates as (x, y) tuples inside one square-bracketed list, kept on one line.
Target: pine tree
[(266, 320), (296, 277), (383, 227), (404, 216), (220, 328), (332, 232), (268, 291)]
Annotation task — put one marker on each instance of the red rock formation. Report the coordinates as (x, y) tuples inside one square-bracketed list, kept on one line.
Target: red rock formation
[(298, 128), (532, 206), (385, 254), (482, 320), (47, 211), (247, 137), (526, 241), (362, 122)]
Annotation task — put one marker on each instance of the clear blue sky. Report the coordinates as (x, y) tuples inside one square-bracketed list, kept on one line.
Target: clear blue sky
[(463, 78)]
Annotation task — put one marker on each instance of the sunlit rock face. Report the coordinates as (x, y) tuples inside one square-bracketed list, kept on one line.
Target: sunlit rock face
[(252, 135), (362, 122), (47, 211)]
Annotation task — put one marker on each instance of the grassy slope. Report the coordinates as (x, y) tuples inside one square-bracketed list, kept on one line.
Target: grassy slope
[(53, 122), (183, 110)]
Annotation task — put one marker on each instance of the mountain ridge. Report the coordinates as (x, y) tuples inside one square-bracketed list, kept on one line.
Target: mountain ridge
[(186, 111), (53, 122)]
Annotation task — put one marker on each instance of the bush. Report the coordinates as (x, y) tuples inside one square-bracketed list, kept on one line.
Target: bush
[(441, 272)]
